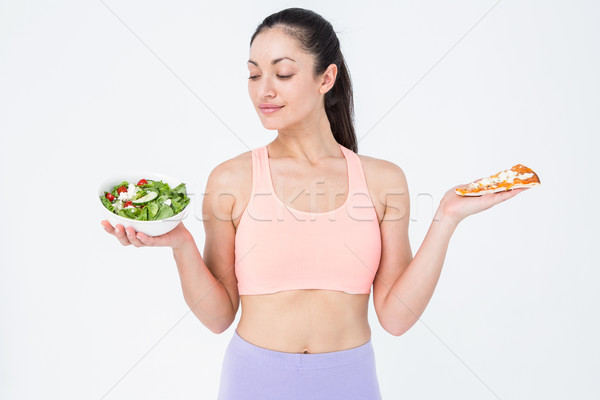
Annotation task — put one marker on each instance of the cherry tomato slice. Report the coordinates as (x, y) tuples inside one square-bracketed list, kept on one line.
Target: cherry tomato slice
[(109, 196), (142, 182), (121, 189), (127, 204)]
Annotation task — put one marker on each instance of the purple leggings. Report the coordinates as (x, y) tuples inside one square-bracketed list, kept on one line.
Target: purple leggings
[(251, 372)]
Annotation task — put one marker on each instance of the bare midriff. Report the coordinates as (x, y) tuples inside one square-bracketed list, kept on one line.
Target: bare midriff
[(305, 321)]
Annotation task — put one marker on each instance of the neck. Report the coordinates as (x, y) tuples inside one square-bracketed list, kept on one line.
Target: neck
[(312, 139)]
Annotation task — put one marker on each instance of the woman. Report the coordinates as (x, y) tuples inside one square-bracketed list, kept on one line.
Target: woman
[(303, 256)]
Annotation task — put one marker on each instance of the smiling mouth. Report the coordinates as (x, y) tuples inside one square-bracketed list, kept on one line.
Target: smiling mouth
[(268, 110)]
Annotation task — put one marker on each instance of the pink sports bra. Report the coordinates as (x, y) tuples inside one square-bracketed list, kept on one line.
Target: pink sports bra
[(279, 248)]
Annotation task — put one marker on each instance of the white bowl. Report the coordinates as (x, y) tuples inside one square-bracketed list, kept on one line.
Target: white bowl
[(150, 228)]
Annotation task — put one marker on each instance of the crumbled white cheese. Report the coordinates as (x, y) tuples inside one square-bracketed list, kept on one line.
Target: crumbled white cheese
[(508, 176), (118, 205), (486, 182), (167, 202), (129, 194), (524, 176)]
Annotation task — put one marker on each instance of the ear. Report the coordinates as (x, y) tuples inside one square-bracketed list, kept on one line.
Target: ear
[(328, 79)]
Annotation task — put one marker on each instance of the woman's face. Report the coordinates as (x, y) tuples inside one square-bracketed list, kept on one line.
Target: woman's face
[(281, 83)]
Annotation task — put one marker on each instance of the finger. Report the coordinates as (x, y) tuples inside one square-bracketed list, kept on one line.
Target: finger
[(514, 192), (132, 238), (161, 240), (107, 227), (508, 194), (147, 240), (121, 235)]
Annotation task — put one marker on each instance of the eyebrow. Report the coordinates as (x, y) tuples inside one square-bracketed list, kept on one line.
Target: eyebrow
[(275, 61)]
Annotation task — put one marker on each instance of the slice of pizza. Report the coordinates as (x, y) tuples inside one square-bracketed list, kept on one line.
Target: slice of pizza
[(516, 177)]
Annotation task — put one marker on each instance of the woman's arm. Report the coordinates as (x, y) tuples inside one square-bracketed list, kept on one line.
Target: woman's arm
[(203, 292), (404, 285), (408, 295)]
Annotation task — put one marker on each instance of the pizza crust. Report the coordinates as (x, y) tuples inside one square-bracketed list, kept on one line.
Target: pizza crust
[(531, 184)]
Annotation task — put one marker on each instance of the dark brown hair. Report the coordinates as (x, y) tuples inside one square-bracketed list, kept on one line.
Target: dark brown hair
[(316, 36)]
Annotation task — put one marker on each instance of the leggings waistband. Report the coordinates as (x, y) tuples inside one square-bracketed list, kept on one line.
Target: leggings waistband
[(295, 360)]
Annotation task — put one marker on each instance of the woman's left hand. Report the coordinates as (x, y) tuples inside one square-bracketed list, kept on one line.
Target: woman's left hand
[(456, 208)]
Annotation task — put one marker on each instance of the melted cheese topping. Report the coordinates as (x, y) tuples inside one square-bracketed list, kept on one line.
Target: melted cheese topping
[(507, 178)]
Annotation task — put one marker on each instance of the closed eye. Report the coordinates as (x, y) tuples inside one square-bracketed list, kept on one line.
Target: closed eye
[(253, 77)]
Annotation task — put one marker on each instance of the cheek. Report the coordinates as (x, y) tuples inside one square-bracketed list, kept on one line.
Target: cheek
[(305, 97)]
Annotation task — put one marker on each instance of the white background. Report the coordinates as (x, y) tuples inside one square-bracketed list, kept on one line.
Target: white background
[(91, 89)]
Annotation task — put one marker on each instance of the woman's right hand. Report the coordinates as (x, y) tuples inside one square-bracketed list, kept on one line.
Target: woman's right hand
[(128, 236)]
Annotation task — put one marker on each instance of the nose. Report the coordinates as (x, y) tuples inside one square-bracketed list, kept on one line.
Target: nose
[(266, 88)]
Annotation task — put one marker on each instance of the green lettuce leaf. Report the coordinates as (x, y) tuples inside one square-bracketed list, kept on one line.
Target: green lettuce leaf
[(107, 203), (164, 212)]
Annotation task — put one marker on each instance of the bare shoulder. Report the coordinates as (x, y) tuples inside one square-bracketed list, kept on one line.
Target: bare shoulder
[(233, 172), (383, 174), (231, 182), (387, 182)]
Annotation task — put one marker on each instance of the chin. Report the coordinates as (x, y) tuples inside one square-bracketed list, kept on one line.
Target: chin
[(271, 125)]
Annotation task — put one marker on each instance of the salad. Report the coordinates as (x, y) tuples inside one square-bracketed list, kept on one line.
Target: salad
[(148, 200)]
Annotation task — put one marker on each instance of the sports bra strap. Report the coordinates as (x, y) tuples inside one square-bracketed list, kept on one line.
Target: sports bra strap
[(261, 173)]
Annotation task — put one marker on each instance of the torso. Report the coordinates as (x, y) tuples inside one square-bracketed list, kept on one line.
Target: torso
[(310, 320)]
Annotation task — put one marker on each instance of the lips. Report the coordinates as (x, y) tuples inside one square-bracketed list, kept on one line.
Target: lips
[(269, 108)]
